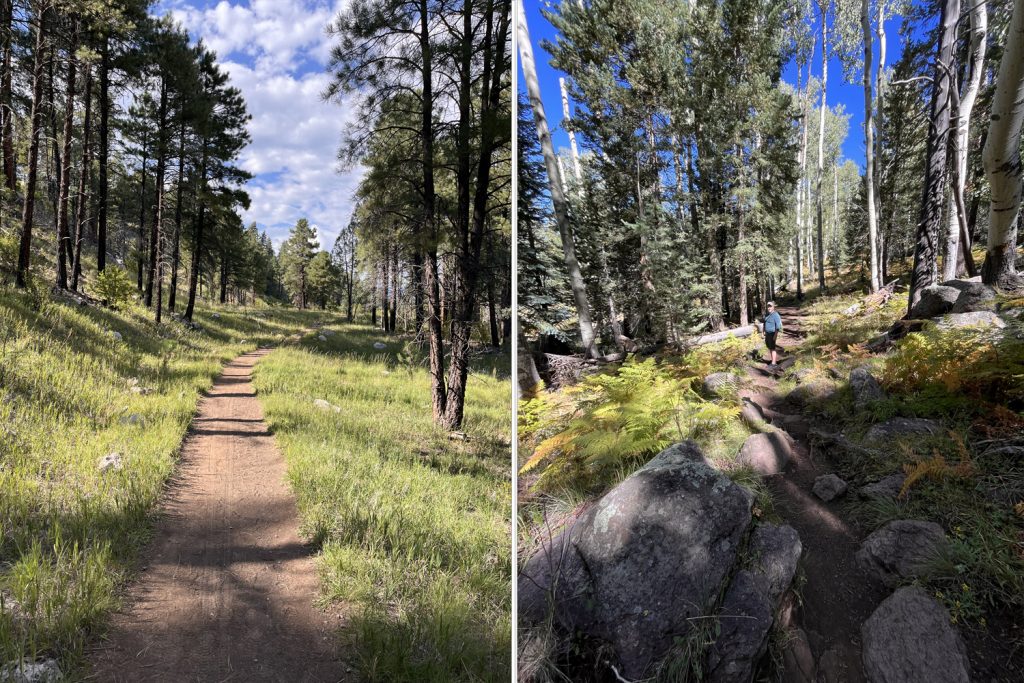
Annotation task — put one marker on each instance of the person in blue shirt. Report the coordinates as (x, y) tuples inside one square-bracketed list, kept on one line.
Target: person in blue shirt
[(772, 327)]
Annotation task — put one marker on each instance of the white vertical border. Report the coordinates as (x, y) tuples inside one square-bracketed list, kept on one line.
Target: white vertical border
[(515, 339)]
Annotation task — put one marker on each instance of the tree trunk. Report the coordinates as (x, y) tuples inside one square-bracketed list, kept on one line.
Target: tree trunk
[(925, 251), (84, 179), (6, 102), (821, 142), (101, 208), (1003, 161), (142, 208), (869, 145), (28, 207), (176, 248), (576, 282), (63, 232), (572, 134), (161, 166), (197, 245)]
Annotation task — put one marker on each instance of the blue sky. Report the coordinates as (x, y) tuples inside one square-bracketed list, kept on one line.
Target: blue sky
[(276, 52), (839, 91)]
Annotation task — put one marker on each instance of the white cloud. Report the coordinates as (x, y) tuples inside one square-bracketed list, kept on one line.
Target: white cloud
[(276, 53)]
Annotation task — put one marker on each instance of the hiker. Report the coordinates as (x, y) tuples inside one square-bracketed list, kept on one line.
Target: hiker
[(772, 327)]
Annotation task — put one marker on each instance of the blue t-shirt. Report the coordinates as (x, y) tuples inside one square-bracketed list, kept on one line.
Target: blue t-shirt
[(773, 322)]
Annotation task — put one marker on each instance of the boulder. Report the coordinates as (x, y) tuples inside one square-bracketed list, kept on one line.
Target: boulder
[(767, 453), (719, 384), (974, 296), (865, 387), (321, 338), (638, 566), (752, 415), (887, 488), (900, 550), (909, 639), (116, 335), (45, 671), (744, 618), (797, 658), (973, 319), (902, 427), (935, 300), (380, 346), (810, 393), (775, 551), (829, 487)]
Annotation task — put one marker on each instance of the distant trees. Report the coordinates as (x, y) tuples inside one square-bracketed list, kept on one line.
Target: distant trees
[(297, 253)]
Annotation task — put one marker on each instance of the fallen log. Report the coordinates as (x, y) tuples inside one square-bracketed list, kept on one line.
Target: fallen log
[(738, 332)]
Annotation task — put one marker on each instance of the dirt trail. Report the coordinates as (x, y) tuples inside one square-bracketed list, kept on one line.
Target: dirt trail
[(837, 596), (227, 587)]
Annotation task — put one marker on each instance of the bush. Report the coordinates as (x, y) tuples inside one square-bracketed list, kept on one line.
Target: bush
[(114, 287)]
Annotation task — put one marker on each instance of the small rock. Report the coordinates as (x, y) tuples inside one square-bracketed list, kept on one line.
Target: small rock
[(829, 487), (328, 333), (909, 639), (109, 461), (322, 338), (134, 419), (935, 300), (810, 394), (46, 671), (900, 550), (902, 427), (215, 315), (972, 319), (866, 389), (803, 375), (116, 335), (380, 346), (975, 296), (852, 310), (325, 405), (797, 659), (887, 488), (720, 384), (766, 453)]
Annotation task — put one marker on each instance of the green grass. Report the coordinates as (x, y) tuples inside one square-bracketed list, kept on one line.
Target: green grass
[(414, 526), (71, 393)]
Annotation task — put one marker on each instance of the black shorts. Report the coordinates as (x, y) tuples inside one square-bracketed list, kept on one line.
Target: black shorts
[(769, 340)]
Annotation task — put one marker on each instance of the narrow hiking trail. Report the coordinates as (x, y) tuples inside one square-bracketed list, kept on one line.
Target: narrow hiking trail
[(836, 597), (227, 587)]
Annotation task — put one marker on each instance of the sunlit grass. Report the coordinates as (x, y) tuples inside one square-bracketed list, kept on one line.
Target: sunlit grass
[(414, 526)]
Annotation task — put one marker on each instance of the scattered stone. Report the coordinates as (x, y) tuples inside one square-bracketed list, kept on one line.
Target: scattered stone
[(745, 618), (767, 453), (935, 300), (328, 333), (134, 419), (325, 405), (866, 389), (828, 487), (973, 319), (974, 296), (852, 310), (46, 671), (909, 639), (902, 427), (902, 549), (116, 335), (380, 346), (887, 488), (720, 384), (322, 338), (677, 523), (797, 659), (803, 375), (458, 436), (752, 414), (810, 394), (109, 461), (215, 315)]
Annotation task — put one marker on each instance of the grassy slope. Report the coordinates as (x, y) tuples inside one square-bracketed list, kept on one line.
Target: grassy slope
[(414, 526), (67, 390)]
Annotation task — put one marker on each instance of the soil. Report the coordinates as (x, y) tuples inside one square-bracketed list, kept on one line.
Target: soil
[(227, 587)]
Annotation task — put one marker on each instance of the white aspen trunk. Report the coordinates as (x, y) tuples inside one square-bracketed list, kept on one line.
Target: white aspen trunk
[(879, 101), (1002, 158), (869, 165), (579, 289), (821, 140), (835, 217), (800, 193), (572, 134), (957, 219)]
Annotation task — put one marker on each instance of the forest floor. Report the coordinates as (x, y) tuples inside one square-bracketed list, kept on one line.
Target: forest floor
[(227, 585)]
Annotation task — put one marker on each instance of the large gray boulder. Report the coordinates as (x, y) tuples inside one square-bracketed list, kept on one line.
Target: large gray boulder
[(767, 453), (753, 415), (865, 387), (901, 550), (974, 319), (908, 639), (721, 384), (935, 300), (25, 671), (902, 427), (640, 564), (810, 394), (974, 296)]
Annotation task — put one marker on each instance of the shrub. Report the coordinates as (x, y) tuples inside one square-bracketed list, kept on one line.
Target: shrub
[(114, 287)]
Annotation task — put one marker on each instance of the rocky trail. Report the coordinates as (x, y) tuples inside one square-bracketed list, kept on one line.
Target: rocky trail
[(227, 587)]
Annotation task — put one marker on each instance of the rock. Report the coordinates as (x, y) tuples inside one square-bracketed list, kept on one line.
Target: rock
[(46, 671), (902, 427), (866, 389), (853, 309), (752, 414), (324, 405), (380, 346), (134, 419), (811, 393), (638, 566), (935, 300), (797, 659), (109, 461), (767, 453), (830, 667), (887, 488), (322, 338), (116, 335), (829, 487), (909, 639), (215, 315), (974, 319), (902, 549), (720, 384), (744, 621), (328, 333), (974, 296), (775, 551), (803, 375)]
